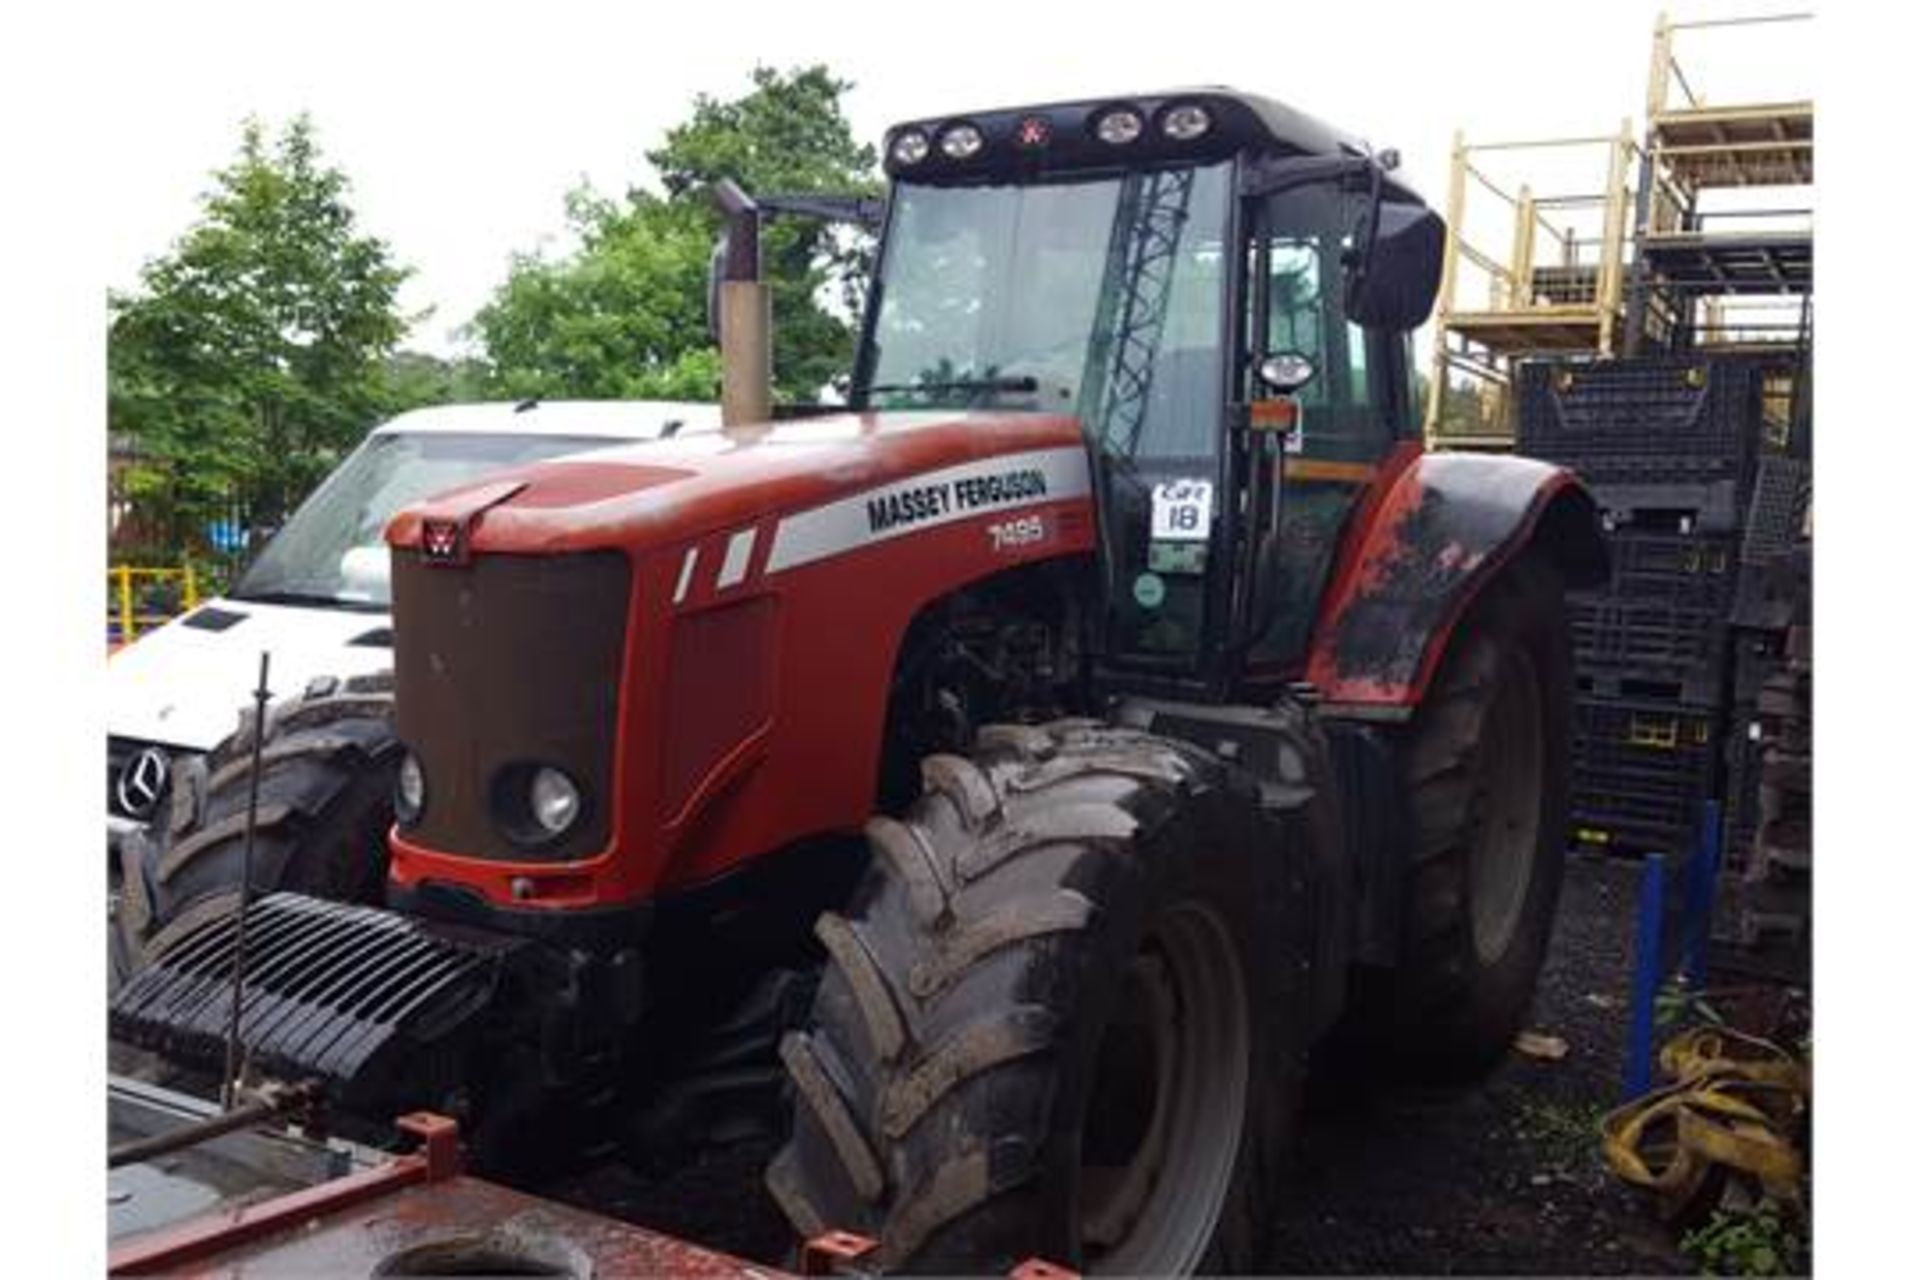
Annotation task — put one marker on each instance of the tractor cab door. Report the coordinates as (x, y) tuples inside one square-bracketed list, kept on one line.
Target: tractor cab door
[(1352, 413)]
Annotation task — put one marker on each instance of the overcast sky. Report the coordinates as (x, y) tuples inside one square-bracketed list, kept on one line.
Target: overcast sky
[(462, 128)]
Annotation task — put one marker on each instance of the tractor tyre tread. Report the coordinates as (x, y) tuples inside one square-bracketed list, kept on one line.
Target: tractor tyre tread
[(324, 808), (959, 982), (1442, 1014)]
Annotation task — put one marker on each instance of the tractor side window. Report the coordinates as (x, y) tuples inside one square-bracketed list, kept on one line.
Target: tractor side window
[(1306, 312), (1341, 422)]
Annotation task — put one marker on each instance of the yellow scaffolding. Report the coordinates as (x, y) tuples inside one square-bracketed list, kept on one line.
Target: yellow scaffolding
[(126, 616), (1703, 144), (1590, 275), (1734, 276), (1556, 287)]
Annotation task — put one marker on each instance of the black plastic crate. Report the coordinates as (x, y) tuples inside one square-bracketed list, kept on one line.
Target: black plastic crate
[(1639, 634), (1692, 569), (1681, 686), (1617, 413), (1640, 469), (1644, 736), (1671, 830), (1642, 771), (1671, 507), (1776, 509)]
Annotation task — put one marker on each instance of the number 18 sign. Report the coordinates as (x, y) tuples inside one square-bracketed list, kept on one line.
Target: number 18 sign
[(1182, 510)]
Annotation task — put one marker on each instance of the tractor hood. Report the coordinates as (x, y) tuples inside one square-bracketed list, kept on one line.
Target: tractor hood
[(741, 635), (670, 491)]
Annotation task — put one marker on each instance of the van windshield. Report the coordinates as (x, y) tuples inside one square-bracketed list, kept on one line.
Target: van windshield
[(332, 552)]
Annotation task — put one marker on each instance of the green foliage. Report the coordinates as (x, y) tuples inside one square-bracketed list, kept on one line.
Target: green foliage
[(412, 379), (1566, 1134), (624, 315), (623, 318), (1761, 1241), (1677, 1004), (252, 355)]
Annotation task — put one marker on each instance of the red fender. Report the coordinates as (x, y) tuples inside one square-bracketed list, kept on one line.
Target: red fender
[(1433, 530)]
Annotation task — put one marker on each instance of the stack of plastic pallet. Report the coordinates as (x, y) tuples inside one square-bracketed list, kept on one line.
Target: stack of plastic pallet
[(1671, 447), (1774, 596), (1770, 752)]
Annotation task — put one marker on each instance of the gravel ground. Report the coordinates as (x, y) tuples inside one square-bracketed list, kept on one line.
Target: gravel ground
[(1503, 1179), (1506, 1178)]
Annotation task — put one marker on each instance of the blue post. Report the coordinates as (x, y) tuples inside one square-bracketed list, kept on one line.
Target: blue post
[(1646, 975), (1704, 880)]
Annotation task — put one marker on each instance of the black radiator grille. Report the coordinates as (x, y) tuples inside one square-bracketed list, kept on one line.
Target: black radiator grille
[(506, 662)]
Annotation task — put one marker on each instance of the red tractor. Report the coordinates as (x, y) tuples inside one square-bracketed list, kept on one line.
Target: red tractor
[(999, 785)]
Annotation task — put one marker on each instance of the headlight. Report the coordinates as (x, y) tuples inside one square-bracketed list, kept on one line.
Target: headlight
[(909, 147), (410, 790), (1186, 122), (1118, 127), (961, 142), (553, 800)]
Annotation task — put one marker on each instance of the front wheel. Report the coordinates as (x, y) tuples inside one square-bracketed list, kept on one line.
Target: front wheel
[(1061, 1018)]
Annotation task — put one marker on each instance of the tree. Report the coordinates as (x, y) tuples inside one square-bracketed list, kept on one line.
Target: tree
[(415, 378), (623, 318), (625, 314), (253, 355)]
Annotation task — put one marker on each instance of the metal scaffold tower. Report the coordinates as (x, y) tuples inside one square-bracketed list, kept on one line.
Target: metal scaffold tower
[(1557, 289), (1723, 219), (1699, 236)]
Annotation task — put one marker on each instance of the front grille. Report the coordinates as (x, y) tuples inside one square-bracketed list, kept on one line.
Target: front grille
[(506, 662)]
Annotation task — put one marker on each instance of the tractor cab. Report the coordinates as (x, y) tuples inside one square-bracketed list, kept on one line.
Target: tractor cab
[(1221, 290)]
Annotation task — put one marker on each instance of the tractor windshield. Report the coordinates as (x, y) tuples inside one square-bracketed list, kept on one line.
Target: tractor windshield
[(1098, 297)]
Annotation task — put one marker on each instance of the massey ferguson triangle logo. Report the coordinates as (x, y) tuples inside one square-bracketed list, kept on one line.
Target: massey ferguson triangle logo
[(142, 782), (441, 539)]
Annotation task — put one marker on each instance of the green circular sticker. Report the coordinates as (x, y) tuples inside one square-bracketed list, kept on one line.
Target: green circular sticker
[(1149, 590)]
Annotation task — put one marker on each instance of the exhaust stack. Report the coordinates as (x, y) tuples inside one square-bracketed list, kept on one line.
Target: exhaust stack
[(743, 310)]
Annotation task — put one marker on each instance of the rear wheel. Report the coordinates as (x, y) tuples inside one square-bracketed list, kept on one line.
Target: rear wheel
[(1485, 767), (1062, 1017), (327, 766)]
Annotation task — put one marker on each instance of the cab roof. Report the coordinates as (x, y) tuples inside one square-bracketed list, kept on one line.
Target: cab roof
[(1239, 121)]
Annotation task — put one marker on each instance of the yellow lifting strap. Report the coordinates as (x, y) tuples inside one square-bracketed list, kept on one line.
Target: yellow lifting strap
[(1736, 1101)]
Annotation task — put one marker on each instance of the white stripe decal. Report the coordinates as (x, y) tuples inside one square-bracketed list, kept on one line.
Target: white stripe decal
[(927, 501), (686, 574), (734, 567)]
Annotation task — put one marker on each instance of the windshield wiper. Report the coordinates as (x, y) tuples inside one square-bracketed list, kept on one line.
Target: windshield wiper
[(310, 598), (1025, 382)]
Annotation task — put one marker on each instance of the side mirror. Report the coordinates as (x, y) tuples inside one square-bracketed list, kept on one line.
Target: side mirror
[(1393, 280)]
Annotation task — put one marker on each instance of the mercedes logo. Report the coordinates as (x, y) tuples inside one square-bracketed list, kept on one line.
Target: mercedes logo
[(142, 782)]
